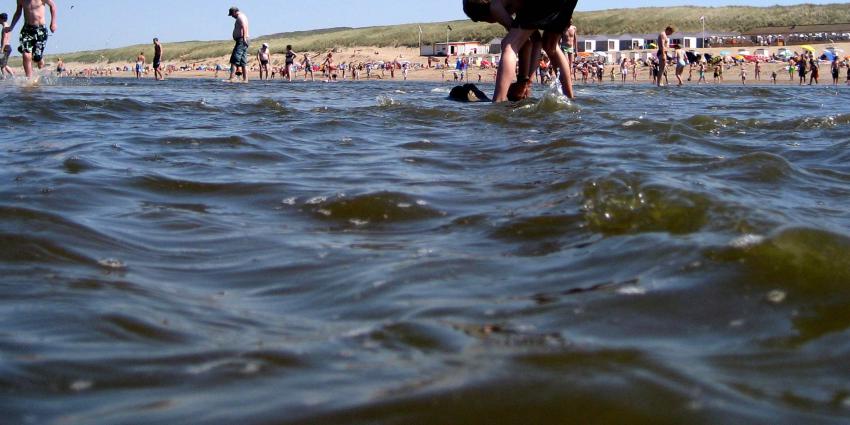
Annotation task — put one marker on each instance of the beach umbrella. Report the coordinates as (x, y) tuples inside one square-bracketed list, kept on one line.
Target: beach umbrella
[(828, 56), (809, 48), (743, 52), (653, 46)]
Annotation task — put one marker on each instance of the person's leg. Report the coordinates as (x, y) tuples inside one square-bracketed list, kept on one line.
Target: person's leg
[(551, 43), (27, 59), (507, 67)]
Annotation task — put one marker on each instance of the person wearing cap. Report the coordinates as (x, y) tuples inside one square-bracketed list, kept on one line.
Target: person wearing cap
[(239, 57), (264, 57)]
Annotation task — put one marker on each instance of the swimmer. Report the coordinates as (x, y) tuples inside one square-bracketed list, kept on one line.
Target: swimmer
[(6, 47), (264, 57), (157, 60), (33, 34), (241, 35)]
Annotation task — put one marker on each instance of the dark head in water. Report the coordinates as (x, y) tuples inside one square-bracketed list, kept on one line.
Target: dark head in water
[(468, 93)]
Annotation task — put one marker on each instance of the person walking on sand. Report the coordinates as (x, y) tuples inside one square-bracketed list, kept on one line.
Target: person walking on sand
[(6, 46), (757, 70), (241, 35), (33, 34), (264, 56), (743, 73), (290, 62), (663, 46), (140, 65), (157, 60)]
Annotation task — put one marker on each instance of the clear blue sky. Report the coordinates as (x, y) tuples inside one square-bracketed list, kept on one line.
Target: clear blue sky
[(98, 24)]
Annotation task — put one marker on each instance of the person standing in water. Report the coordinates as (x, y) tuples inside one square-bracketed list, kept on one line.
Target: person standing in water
[(570, 40), (814, 70), (681, 63), (264, 57), (6, 46), (835, 71), (157, 60), (290, 62), (33, 34), (744, 73), (308, 68), (241, 35), (757, 70), (140, 65), (663, 46), (802, 69)]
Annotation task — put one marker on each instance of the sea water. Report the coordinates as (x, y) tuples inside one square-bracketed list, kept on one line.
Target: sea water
[(197, 252)]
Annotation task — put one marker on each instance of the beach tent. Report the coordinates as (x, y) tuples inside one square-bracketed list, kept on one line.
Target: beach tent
[(827, 55), (725, 53), (744, 52)]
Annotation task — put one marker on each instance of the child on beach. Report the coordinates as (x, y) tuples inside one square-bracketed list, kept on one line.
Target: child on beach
[(140, 65), (308, 68), (6, 48), (551, 16), (33, 34)]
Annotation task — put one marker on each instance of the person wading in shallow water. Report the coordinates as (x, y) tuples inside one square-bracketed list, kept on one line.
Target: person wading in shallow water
[(663, 46), (33, 34), (241, 35), (157, 60)]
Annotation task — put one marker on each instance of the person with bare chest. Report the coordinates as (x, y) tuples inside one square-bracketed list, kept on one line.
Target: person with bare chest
[(33, 34), (239, 57)]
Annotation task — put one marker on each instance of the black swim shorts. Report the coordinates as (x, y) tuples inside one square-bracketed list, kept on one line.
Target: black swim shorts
[(33, 40), (239, 57), (546, 15)]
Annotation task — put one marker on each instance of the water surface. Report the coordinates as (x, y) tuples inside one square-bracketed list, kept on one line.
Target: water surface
[(195, 252)]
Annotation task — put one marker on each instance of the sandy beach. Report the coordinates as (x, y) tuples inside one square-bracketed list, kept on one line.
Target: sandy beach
[(421, 72)]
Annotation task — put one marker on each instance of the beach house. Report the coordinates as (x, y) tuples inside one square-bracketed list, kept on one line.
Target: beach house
[(455, 48)]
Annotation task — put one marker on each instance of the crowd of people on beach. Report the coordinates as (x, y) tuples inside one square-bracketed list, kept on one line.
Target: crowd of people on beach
[(540, 42)]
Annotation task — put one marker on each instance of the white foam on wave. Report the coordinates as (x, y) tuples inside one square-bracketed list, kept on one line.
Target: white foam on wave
[(440, 90)]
